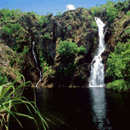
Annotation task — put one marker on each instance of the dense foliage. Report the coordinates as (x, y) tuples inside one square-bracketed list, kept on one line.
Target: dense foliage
[(119, 63), (111, 8), (67, 49), (119, 85), (19, 29)]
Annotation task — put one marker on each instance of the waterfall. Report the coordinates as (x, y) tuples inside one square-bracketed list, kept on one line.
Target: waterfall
[(35, 58), (97, 67)]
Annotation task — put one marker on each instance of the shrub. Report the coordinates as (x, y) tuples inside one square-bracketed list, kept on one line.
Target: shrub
[(94, 10), (111, 10), (94, 24), (83, 16), (128, 13), (118, 85), (81, 50), (42, 19), (7, 30), (69, 28), (67, 49), (119, 62), (46, 37), (126, 4), (90, 18)]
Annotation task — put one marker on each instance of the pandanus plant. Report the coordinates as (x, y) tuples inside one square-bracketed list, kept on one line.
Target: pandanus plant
[(10, 98)]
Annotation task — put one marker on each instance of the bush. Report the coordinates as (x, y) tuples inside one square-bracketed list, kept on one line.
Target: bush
[(46, 37), (94, 24), (69, 28), (94, 10), (128, 13), (81, 50), (118, 85), (67, 49), (119, 62), (83, 16), (42, 19)]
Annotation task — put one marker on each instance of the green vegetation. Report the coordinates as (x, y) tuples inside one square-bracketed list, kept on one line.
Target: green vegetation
[(42, 20), (69, 28), (67, 49), (3, 78), (83, 16), (119, 63), (110, 8), (70, 16), (90, 18), (46, 37), (119, 85), (81, 50), (10, 14), (128, 13), (18, 58), (94, 25), (9, 99), (58, 14), (18, 29), (68, 65)]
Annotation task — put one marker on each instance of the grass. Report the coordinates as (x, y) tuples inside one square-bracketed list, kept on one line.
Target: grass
[(9, 98)]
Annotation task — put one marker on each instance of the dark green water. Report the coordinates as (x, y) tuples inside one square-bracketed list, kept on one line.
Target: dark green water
[(83, 109)]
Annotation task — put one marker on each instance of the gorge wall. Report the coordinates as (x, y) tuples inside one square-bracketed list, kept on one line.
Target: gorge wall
[(79, 26)]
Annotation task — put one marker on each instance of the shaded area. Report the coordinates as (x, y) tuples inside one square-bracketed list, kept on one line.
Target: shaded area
[(80, 109)]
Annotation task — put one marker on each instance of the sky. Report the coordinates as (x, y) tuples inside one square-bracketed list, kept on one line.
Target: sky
[(42, 7)]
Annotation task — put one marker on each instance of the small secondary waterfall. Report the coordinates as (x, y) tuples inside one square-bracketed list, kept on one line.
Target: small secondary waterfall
[(97, 67), (35, 58)]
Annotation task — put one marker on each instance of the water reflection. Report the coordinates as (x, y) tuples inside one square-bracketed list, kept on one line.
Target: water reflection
[(92, 108), (80, 109), (99, 108)]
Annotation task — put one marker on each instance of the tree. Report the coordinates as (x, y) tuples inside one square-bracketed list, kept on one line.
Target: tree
[(42, 19), (119, 62), (111, 10), (67, 49)]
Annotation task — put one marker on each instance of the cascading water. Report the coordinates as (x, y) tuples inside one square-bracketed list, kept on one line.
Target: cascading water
[(35, 58), (97, 67)]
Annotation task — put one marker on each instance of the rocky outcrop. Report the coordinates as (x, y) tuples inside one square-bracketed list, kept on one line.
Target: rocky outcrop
[(6, 54), (117, 32), (75, 26)]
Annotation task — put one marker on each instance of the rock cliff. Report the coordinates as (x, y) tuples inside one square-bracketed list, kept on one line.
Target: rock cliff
[(19, 31)]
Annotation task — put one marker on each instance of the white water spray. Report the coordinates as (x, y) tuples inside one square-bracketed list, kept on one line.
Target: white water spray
[(97, 67), (35, 58)]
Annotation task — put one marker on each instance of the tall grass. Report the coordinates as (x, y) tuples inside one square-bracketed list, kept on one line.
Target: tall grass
[(9, 98)]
